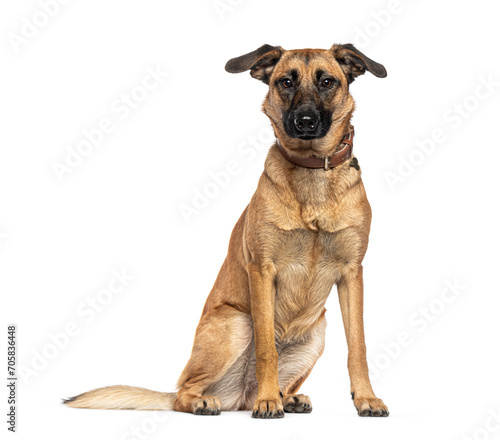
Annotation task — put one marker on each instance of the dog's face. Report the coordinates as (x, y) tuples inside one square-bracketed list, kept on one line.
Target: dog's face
[(306, 90), (308, 101)]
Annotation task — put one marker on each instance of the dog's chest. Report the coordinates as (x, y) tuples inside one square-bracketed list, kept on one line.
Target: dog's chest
[(308, 264)]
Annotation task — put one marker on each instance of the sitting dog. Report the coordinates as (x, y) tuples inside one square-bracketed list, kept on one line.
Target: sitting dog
[(306, 228)]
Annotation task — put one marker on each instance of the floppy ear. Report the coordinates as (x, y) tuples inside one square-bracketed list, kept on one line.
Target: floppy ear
[(260, 62), (355, 63)]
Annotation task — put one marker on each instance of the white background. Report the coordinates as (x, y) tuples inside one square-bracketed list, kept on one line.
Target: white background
[(120, 208)]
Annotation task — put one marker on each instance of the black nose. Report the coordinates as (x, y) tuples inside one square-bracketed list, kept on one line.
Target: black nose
[(306, 121)]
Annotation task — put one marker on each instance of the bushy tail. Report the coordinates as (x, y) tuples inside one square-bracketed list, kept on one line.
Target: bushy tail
[(123, 397)]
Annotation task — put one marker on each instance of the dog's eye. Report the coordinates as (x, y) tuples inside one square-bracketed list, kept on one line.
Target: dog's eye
[(286, 83), (327, 82)]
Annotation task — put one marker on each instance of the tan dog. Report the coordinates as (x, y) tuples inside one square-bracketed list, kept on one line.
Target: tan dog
[(305, 229)]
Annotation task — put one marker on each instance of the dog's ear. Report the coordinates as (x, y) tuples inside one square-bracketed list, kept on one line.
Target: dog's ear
[(355, 63), (260, 62)]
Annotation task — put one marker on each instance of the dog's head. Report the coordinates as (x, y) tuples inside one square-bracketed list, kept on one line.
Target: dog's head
[(309, 103)]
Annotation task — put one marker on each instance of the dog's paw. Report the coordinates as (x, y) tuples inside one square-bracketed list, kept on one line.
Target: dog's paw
[(268, 409), (206, 405), (370, 406), (297, 403)]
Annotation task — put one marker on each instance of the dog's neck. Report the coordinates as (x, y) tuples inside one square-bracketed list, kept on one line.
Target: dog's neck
[(309, 190), (342, 152)]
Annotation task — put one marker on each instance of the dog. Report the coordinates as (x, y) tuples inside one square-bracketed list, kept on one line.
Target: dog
[(305, 229)]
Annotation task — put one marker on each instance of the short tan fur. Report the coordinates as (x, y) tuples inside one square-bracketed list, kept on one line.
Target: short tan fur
[(305, 230)]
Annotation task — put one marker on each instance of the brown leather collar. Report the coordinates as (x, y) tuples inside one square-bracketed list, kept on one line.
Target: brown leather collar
[(343, 153)]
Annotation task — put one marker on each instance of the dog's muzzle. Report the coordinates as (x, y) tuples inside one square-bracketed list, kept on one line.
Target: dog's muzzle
[(305, 123)]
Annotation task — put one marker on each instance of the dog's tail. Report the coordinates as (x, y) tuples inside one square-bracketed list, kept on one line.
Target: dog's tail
[(123, 397)]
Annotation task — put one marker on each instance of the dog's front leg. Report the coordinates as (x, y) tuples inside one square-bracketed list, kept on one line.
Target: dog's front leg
[(268, 404), (350, 289)]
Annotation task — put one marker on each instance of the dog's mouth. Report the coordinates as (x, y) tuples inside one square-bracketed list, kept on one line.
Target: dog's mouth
[(317, 134), (306, 137)]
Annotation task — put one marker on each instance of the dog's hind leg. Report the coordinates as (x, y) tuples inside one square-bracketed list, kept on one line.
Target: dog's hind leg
[(222, 336), (295, 363)]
